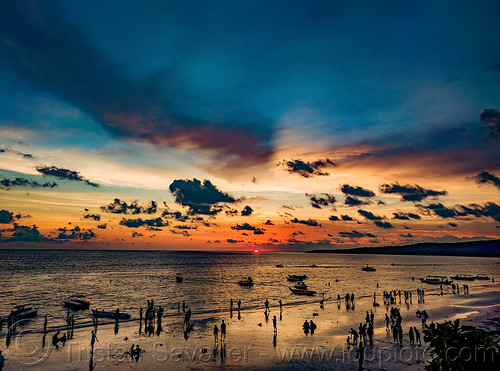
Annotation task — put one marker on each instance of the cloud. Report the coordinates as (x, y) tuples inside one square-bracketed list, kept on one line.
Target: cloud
[(75, 233), (95, 217), (185, 226), (451, 224), (121, 207), (102, 226), (356, 191), (385, 225), (355, 234), (230, 240), (346, 218), (307, 169), (407, 235), (182, 233), (201, 198), (485, 177), (25, 233), (333, 218), (247, 210), (53, 54), (247, 227), (405, 216), (410, 192), (6, 216), (22, 182), (136, 223), (268, 222), (62, 173), (319, 202), (310, 222), (136, 234), (369, 215), (353, 201), (491, 118), (8, 149), (489, 209)]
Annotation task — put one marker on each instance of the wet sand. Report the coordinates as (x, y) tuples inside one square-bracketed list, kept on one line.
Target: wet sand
[(250, 346)]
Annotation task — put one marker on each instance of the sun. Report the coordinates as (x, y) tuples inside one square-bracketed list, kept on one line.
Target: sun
[(256, 251)]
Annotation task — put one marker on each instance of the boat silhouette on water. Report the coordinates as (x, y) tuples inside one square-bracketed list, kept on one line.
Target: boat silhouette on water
[(77, 302), (296, 278), (368, 269), (105, 314), (436, 280), (302, 291), (179, 278), (464, 277), (246, 282), (22, 312)]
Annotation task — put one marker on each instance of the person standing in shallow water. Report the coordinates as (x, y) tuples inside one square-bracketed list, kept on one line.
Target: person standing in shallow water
[(223, 331), (275, 324), (216, 334)]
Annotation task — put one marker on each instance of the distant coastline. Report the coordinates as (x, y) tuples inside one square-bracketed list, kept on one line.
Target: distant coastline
[(489, 248)]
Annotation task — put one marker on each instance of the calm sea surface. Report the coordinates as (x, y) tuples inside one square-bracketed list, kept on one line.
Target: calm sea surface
[(127, 279)]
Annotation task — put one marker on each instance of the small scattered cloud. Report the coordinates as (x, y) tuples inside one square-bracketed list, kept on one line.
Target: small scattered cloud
[(95, 217), (139, 222), (407, 235), (75, 233), (333, 218), (230, 240), (485, 177), (136, 234), (268, 222), (25, 233), (248, 227), (381, 224), (489, 209), (247, 210), (319, 202), (346, 218), (410, 192), (63, 173), (7, 217), (355, 234), (22, 182), (307, 169), (16, 152), (354, 201), (121, 207), (369, 215), (102, 226), (356, 191), (309, 222), (490, 117), (405, 216)]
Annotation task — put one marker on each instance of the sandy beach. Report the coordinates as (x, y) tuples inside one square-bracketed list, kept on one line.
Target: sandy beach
[(250, 341)]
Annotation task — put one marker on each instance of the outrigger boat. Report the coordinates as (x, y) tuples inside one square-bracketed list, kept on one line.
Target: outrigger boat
[(77, 302), (368, 269), (436, 280), (464, 277), (179, 278), (296, 278), (246, 282), (22, 311), (302, 291), (300, 285), (105, 314), (482, 277)]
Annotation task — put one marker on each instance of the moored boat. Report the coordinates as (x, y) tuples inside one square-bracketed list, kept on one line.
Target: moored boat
[(179, 278), (77, 302), (302, 291), (246, 282), (464, 277), (300, 285), (279, 265), (368, 269), (105, 314), (436, 280), (482, 277), (296, 278), (22, 311)]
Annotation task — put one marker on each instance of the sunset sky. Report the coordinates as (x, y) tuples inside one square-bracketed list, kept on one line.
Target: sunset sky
[(233, 125)]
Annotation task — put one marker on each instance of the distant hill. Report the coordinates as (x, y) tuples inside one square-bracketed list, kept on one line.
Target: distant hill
[(489, 248)]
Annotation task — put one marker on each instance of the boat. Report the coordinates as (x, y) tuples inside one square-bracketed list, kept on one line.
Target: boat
[(296, 278), (77, 302), (105, 314), (178, 277), (436, 280), (482, 277), (302, 291), (279, 265), (22, 311), (300, 285), (464, 277), (246, 282), (368, 269)]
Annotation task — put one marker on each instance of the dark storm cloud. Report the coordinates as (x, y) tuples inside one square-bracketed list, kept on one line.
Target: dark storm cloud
[(248, 227), (6, 216), (381, 224), (201, 198), (307, 169), (355, 234), (333, 218), (410, 192), (489, 209), (8, 149), (369, 215), (319, 202), (491, 118), (62, 173), (485, 177), (121, 207), (310, 222), (22, 182), (353, 201), (48, 51), (247, 210), (356, 191), (75, 233), (405, 216), (347, 218), (95, 217), (139, 222)]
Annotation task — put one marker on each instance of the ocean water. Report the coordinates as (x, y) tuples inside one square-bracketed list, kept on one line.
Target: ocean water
[(127, 279)]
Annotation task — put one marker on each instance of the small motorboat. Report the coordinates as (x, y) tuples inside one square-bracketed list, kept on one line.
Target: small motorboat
[(77, 302), (300, 285), (279, 265), (22, 311), (368, 269), (464, 277), (302, 291), (105, 314), (179, 278), (246, 282), (296, 278), (436, 280), (482, 277)]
